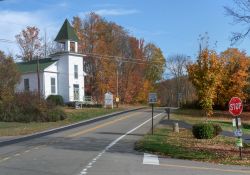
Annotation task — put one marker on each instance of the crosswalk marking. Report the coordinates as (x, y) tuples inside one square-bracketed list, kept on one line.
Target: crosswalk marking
[(150, 159)]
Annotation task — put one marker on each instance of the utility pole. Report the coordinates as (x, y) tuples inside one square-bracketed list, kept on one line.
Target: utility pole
[(45, 43), (117, 99), (38, 77)]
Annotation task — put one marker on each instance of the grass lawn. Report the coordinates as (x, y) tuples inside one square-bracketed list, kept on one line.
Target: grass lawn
[(223, 118), (74, 115), (184, 146)]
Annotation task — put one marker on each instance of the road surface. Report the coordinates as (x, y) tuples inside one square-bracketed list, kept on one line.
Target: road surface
[(100, 148)]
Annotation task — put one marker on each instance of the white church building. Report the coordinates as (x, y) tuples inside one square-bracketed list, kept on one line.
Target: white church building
[(60, 74)]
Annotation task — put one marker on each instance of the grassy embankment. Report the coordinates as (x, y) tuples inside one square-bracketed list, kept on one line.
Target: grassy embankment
[(183, 145), (15, 128), (220, 117)]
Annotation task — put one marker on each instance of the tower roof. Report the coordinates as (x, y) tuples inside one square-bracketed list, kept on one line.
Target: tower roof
[(66, 33)]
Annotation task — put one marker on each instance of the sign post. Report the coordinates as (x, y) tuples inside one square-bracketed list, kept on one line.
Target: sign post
[(235, 108), (152, 99)]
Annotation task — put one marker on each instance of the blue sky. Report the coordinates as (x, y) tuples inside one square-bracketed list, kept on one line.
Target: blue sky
[(173, 25)]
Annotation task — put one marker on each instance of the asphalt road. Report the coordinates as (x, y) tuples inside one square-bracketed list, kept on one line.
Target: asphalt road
[(100, 148)]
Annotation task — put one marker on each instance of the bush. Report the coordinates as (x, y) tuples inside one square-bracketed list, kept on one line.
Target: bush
[(217, 129), (72, 104), (28, 107), (56, 114), (56, 100), (203, 131)]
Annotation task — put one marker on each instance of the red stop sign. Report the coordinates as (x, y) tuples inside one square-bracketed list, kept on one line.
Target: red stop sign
[(235, 106)]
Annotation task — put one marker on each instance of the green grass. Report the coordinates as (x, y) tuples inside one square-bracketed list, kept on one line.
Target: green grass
[(193, 116), (15, 128), (183, 145), (158, 143)]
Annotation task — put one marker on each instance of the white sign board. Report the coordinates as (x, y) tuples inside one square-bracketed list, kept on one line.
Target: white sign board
[(108, 100), (234, 122), (238, 133), (152, 98)]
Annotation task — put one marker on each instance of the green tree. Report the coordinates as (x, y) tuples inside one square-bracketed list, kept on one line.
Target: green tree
[(9, 77), (205, 76), (156, 63)]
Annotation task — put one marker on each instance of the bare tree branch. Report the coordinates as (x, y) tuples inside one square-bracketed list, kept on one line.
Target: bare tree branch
[(240, 15)]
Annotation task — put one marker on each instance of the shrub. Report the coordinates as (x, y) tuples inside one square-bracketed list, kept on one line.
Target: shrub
[(56, 100), (217, 129), (203, 131), (72, 104), (56, 114), (28, 107)]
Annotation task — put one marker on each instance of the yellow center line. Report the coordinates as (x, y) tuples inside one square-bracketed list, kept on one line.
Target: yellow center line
[(99, 126), (205, 168)]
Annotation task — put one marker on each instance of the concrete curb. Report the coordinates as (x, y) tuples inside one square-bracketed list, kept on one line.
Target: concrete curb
[(63, 128)]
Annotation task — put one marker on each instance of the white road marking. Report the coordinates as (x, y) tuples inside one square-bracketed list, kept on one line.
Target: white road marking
[(150, 159), (84, 171), (6, 158)]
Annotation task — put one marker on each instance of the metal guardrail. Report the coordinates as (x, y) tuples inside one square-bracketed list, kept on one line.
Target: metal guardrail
[(87, 100)]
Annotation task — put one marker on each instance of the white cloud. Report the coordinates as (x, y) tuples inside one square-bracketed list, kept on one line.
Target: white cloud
[(12, 22), (112, 12)]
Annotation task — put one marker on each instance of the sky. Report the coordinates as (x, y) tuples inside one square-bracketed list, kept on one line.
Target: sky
[(172, 25)]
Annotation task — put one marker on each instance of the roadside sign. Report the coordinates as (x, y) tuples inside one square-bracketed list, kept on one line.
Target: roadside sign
[(238, 133), (235, 106), (108, 100), (117, 99), (152, 98), (234, 122), (239, 142)]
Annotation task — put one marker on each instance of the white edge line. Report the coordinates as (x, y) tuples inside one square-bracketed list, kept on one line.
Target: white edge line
[(84, 170)]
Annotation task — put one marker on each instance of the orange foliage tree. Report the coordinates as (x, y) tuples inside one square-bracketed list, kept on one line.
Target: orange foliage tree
[(205, 76), (112, 52), (234, 76)]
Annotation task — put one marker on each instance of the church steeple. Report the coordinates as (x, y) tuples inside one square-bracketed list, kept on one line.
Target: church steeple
[(68, 37)]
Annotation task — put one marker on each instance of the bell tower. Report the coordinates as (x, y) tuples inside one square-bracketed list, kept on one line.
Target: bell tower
[(67, 38), (69, 65)]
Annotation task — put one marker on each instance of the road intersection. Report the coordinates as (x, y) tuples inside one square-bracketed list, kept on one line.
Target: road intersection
[(103, 147)]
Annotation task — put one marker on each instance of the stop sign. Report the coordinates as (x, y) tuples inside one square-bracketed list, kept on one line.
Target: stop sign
[(235, 106)]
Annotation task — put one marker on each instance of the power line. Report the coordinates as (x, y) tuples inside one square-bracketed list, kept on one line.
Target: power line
[(7, 41), (123, 59)]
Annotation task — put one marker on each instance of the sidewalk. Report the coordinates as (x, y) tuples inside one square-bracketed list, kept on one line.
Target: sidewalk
[(182, 124)]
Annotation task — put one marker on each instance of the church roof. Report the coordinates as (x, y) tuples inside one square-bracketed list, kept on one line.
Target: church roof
[(66, 33), (31, 66)]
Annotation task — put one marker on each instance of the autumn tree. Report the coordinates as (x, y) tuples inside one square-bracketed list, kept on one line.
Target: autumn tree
[(234, 76), (114, 57), (9, 77), (205, 76), (156, 63), (29, 43)]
